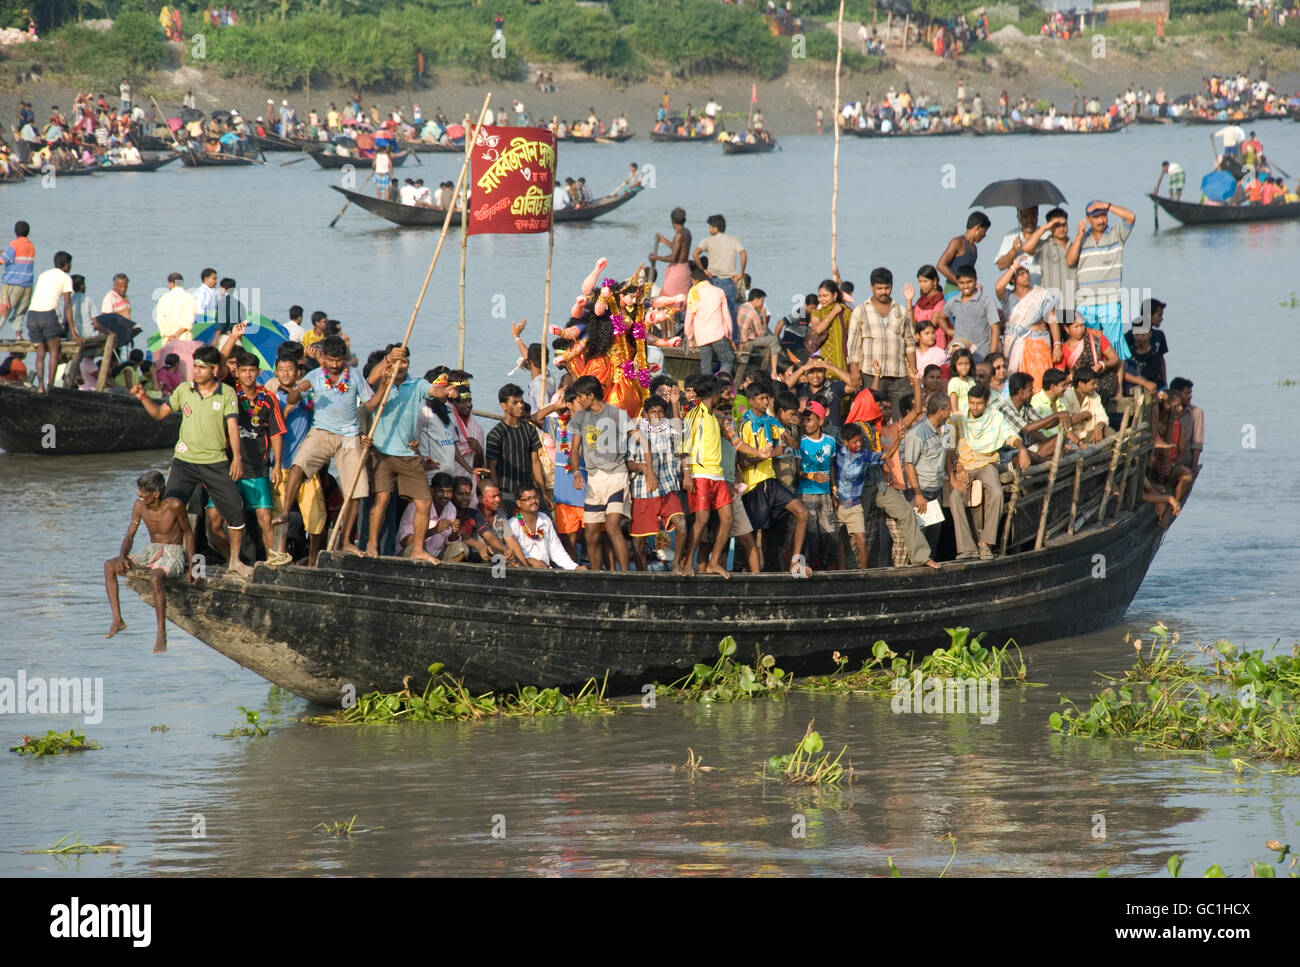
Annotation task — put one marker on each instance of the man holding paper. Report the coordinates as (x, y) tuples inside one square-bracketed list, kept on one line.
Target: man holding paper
[(923, 466)]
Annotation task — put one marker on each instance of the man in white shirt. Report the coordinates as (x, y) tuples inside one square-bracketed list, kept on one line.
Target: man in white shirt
[(51, 293), (176, 310), (422, 196), (406, 194), (115, 299), (205, 297), (1232, 136), (1013, 243)]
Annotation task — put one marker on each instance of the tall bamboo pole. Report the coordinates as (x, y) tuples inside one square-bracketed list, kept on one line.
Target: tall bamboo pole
[(336, 536), (835, 119), (550, 252), (463, 201), (1120, 445), (1051, 484)]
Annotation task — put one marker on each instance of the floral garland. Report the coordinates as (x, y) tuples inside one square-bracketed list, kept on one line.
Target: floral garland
[(252, 405), (343, 385), (531, 535)]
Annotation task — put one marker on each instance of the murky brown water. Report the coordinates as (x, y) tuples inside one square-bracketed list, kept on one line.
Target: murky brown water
[(601, 796)]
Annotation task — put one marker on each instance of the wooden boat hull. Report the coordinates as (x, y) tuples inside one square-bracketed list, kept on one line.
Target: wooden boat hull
[(369, 623), (424, 147), (1197, 119), (328, 160), (1031, 129), (1191, 213), (740, 147), (82, 422), (192, 159), (597, 138), (273, 142), (681, 138), (400, 214), (935, 133), (149, 164)]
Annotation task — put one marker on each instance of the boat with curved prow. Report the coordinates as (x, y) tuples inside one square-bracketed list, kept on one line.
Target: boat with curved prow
[(330, 160), (355, 625), (1191, 213), (147, 163), (83, 422), (212, 159), (597, 138), (745, 147), (410, 215)]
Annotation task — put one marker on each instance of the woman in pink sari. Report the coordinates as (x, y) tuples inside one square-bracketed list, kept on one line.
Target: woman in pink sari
[(1032, 339)]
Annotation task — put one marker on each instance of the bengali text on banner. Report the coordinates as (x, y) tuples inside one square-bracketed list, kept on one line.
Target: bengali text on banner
[(512, 181)]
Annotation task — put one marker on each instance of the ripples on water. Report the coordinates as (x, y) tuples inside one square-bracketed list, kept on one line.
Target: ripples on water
[(601, 796)]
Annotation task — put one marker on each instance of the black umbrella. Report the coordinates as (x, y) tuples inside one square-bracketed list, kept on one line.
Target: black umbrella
[(222, 113), (190, 114), (1018, 193)]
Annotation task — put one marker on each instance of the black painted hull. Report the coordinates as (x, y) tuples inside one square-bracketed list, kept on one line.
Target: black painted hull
[(191, 159), (151, 164), (328, 160), (681, 138), (760, 147), (1190, 213), (597, 138), (410, 215), (370, 623), (425, 147), (1031, 129), (871, 133), (82, 422), (273, 142)]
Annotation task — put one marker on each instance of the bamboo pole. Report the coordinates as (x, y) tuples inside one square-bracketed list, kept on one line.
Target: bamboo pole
[(835, 120), (463, 201), (1074, 500), (106, 362), (1138, 455), (336, 535), (1121, 441), (1016, 485), (907, 25), (550, 253), (1051, 483)]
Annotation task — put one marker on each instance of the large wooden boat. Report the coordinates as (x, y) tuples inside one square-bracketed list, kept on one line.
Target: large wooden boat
[(1191, 213), (273, 142), (147, 163), (744, 147), (428, 147), (937, 132), (400, 214), (35, 170), (1152, 119), (371, 623), (328, 159), (64, 422), (208, 159), (1191, 118), (597, 138), (1035, 129), (682, 138)]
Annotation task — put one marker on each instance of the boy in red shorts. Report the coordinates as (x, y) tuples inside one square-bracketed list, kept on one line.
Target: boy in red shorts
[(704, 481), (654, 472)]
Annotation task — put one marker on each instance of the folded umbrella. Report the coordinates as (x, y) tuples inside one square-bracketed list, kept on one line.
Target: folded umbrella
[(1018, 193)]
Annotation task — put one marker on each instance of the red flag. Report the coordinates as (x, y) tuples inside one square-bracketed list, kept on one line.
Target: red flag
[(512, 181), (753, 97)]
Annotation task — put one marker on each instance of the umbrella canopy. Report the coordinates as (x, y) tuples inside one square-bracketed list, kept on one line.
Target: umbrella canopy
[(221, 113), (262, 339), (344, 140), (1018, 193), (190, 114), (1218, 186)]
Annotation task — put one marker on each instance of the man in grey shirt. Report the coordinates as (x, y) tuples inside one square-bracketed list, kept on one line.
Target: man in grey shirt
[(598, 435), (727, 260), (974, 315)]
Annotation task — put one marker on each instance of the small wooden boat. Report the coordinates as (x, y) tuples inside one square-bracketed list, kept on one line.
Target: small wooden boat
[(147, 164), (903, 133), (208, 159), (273, 142), (1034, 129), (1192, 213), (329, 160), (682, 138), (1192, 118), (369, 623), (60, 172), (1153, 119), (744, 147), (597, 138), (13, 178), (83, 421), (428, 147), (148, 142), (411, 215)]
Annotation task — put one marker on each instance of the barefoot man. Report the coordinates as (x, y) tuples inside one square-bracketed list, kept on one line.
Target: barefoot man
[(209, 426), (170, 549)]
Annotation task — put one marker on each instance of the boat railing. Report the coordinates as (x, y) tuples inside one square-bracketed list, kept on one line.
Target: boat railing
[(1078, 489)]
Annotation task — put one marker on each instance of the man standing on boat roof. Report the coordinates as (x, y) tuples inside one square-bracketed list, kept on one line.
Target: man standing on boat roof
[(1097, 253), (727, 261)]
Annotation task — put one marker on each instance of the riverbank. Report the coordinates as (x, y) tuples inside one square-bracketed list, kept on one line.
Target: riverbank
[(1042, 68)]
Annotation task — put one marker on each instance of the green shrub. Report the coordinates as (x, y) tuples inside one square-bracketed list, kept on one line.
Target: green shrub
[(701, 37)]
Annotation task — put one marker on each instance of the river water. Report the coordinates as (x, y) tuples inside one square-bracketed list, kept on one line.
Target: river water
[(601, 796)]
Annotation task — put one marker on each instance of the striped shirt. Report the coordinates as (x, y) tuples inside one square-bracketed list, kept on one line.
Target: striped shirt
[(888, 339), (1100, 270), (751, 322), (512, 448), (664, 457), (19, 259)]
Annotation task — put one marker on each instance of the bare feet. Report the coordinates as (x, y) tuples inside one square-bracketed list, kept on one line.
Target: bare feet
[(239, 569), (683, 570), (717, 569), (371, 552), (423, 555), (932, 563), (350, 548), (118, 625), (160, 645)]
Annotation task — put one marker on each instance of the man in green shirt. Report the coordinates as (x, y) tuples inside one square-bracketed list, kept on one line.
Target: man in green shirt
[(209, 425)]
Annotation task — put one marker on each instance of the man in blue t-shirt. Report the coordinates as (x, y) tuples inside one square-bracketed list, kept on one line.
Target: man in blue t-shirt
[(311, 497)]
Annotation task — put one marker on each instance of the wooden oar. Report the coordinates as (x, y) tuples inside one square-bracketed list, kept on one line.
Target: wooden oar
[(349, 201), (294, 161), (337, 536)]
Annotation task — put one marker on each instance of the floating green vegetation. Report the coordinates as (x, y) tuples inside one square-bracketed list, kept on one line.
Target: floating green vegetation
[(1241, 704), (896, 873), (1258, 870), (1290, 303), (446, 699), (1287, 382), (965, 657), (159, 728), (728, 681), (805, 767), (341, 828), (77, 846), (54, 743), (252, 727)]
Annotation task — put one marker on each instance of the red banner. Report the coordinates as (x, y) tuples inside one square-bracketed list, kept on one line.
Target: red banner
[(512, 171)]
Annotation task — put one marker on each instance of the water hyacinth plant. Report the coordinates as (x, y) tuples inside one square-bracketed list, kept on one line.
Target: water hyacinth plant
[(1240, 705), (78, 846), (804, 766), (54, 743), (728, 681), (965, 657)]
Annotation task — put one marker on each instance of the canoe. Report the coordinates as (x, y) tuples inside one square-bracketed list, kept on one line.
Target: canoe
[(596, 138), (1191, 213), (400, 214), (1198, 119), (329, 160), (370, 623), (1153, 119), (148, 164), (426, 147), (83, 422), (60, 172), (932, 133), (273, 142), (1032, 129), (147, 142), (202, 159), (741, 147)]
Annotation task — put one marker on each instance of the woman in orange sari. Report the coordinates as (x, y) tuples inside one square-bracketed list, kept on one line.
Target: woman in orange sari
[(1032, 342)]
